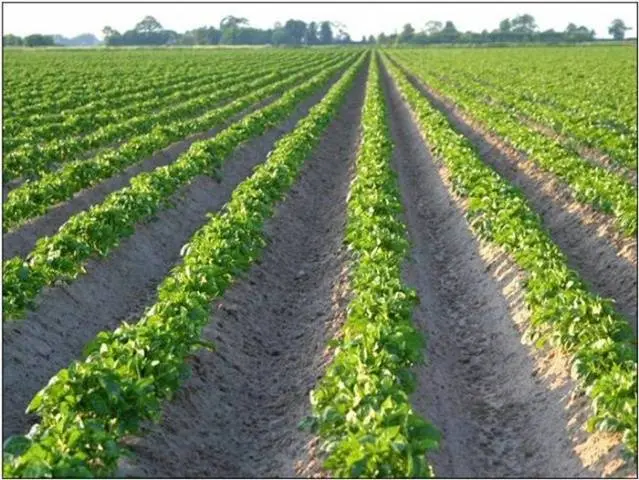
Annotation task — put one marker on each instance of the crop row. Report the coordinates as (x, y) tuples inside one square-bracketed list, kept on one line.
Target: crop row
[(97, 230), (38, 72), (36, 160), (107, 109), (18, 135), (26, 85), (39, 68), (591, 184), (131, 81), (86, 409), (600, 86), (35, 198), (67, 92), (622, 148), (564, 312), (97, 88), (580, 92), (361, 407), (582, 99), (117, 100)]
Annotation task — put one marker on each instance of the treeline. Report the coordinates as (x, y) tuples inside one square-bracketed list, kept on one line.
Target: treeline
[(236, 31), (522, 28), (35, 40), (232, 31), (85, 39)]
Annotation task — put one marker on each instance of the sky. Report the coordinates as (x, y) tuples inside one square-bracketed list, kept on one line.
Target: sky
[(368, 19)]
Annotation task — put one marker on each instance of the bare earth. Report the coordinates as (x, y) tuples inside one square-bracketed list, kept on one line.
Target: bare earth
[(22, 240), (605, 259), (237, 416), (505, 408), (478, 386), (118, 287)]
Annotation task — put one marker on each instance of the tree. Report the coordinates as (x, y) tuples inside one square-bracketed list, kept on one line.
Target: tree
[(618, 29), (281, 36), (232, 22), (170, 37), (11, 40), (311, 34), (296, 29), (407, 33), (505, 26), (381, 38), (187, 39), (326, 33), (253, 36), (109, 33), (84, 39), (524, 24), (371, 39), (228, 36), (343, 37), (38, 40), (550, 36), (204, 36), (148, 25), (433, 27), (111, 36), (578, 34), (230, 27), (449, 33)]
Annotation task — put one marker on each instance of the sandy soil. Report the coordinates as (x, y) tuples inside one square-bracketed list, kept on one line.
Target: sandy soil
[(118, 287), (238, 414), (605, 260), (22, 240), (91, 152), (500, 414), (591, 154), (505, 409), (12, 185)]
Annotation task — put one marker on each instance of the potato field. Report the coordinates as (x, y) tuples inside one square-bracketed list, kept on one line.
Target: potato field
[(320, 262)]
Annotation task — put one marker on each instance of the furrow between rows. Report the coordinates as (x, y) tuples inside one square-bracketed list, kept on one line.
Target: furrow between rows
[(119, 287)]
